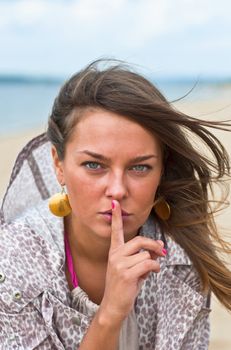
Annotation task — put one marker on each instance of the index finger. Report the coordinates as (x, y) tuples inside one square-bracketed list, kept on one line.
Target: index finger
[(117, 232)]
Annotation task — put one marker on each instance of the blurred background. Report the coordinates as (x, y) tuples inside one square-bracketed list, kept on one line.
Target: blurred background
[(180, 45)]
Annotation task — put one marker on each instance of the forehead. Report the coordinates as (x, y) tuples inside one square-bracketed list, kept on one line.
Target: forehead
[(104, 130)]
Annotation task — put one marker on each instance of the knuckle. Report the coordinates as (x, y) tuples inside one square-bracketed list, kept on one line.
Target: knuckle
[(118, 267), (138, 240), (156, 267), (113, 251), (125, 276), (147, 255), (148, 264), (114, 264), (151, 265), (111, 260)]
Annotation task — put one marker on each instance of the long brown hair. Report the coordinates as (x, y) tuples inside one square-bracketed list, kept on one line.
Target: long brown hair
[(189, 174)]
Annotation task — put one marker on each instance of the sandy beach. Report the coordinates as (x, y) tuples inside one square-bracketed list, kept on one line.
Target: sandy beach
[(216, 109)]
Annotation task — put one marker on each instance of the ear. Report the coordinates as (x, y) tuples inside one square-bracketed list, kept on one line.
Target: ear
[(58, 165)]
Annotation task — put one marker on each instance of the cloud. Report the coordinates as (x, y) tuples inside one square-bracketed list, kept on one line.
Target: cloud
[(136, 21), (66, 31)]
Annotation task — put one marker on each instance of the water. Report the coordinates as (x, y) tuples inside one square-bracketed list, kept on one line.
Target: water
[(27, 104)]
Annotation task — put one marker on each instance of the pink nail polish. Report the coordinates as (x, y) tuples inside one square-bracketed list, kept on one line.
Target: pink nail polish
[(113, 205), (164, 251)]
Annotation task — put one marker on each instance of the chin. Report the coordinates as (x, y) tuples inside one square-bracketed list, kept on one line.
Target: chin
[(104, 232)]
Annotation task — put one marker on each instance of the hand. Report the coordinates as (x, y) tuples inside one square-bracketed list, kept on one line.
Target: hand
[(127, 268)]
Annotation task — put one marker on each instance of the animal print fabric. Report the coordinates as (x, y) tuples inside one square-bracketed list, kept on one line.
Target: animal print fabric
[(37, 309)]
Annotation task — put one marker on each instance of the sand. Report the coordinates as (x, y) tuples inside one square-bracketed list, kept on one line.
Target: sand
[(213, 109)]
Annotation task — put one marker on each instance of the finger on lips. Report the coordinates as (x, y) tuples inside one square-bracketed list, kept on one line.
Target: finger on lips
[(117, 234), (154, 247)]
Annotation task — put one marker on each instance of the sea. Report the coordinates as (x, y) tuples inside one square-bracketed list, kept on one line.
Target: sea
[(26, 102)]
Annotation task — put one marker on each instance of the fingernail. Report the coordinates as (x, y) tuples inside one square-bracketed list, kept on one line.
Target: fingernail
[(164, 251), (113, 205)]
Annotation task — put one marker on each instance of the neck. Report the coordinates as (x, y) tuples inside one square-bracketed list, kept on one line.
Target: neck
[(85, 244)]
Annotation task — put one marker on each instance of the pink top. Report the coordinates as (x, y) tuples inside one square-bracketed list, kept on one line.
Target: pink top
[(70, 266)]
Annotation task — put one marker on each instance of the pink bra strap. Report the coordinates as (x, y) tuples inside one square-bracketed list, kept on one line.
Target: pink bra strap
[(70, 266)]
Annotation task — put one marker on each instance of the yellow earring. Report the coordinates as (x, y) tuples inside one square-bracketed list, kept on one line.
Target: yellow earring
[(162, 209), (59, 204)]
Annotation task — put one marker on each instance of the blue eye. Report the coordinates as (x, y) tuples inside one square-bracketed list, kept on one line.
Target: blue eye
[(92, 165), (141, 168)]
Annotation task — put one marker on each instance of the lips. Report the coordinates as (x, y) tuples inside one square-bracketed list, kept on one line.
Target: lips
[(107, 215), (123, 212)]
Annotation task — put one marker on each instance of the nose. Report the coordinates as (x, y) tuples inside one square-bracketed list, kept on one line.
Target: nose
[(117, 186)]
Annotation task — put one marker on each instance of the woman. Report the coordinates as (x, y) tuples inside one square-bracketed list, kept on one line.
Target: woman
[(133, 259)]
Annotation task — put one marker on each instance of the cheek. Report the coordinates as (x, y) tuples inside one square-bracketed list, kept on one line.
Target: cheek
[(81, 190), (148, 189), (147, 200), (146, 197)]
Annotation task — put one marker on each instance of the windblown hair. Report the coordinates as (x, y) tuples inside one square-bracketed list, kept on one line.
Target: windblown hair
[(189, 174)]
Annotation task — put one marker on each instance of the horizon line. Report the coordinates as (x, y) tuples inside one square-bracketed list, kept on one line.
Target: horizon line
[(17, 78)]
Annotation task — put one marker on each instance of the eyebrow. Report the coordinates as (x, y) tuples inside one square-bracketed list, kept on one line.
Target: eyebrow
[(105, 159)]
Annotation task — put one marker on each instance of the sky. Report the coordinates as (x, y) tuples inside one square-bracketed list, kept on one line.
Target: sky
[(168, 38)]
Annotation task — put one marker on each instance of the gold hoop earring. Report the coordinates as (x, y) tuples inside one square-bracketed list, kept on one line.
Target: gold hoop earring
[(59, 204), (162, 209)]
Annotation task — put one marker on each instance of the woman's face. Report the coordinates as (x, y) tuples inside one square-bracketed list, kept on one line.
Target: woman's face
[(109, 157)]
